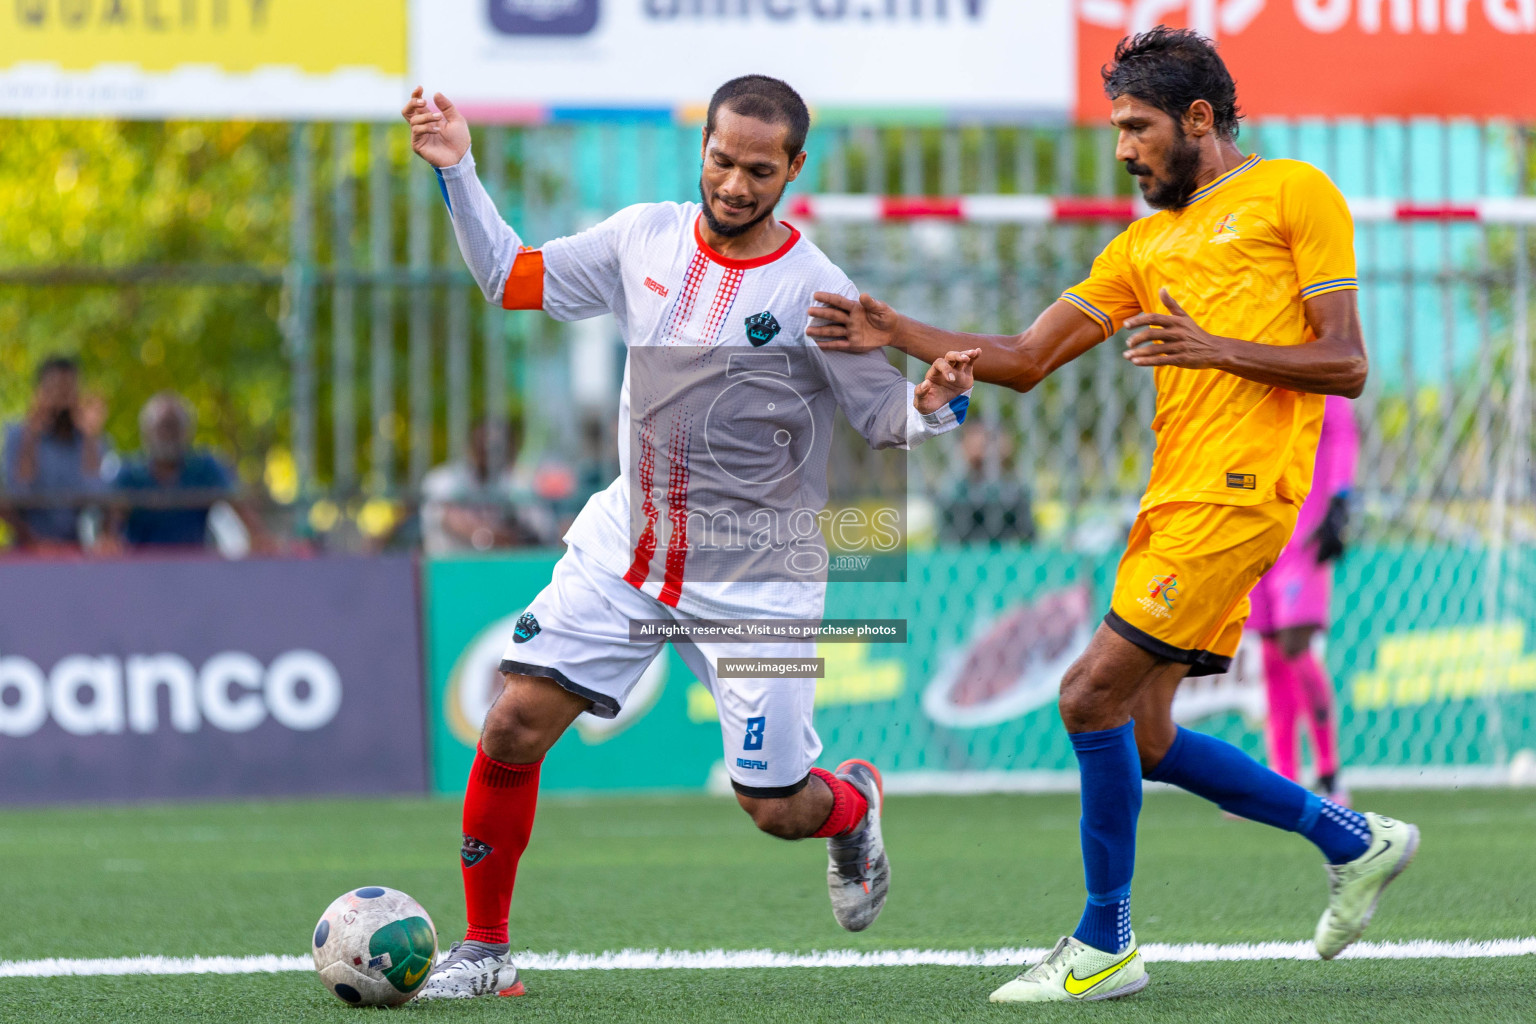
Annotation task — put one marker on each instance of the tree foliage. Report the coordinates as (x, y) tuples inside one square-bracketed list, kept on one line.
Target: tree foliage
[(108, 196)]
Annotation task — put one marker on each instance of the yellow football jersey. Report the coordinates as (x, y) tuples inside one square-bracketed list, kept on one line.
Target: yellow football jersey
[(1241, 257)]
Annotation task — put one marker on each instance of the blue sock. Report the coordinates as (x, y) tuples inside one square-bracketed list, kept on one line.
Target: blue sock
[(1111, 795), (1342, 834), (1230, 778), (1106, 924)]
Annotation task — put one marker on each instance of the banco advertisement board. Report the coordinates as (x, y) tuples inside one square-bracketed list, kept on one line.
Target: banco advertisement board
[(195, 679)]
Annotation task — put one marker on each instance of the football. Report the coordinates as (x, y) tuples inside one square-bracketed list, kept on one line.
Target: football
[(374, 947)]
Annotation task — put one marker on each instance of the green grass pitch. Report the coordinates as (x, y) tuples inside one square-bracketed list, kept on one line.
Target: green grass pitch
[(691, 873)]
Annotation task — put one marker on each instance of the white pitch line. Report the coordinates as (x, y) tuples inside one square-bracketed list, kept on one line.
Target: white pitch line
[(54, 967), (733, 959)]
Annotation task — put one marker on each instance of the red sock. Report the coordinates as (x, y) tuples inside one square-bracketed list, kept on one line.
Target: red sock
[(498, 818), (848, 806)]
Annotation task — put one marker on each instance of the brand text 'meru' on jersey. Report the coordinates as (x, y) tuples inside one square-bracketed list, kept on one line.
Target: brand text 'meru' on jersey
[(1242, 257), (726, 408)]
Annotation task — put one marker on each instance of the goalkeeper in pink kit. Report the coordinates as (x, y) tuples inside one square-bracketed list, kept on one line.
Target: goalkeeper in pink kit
[(1290, 605)]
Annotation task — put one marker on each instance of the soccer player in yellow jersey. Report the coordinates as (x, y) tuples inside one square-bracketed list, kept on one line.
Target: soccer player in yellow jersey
[(1240, 293)]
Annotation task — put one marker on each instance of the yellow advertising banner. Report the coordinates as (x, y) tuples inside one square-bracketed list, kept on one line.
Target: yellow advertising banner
[(282, 59), (314, 36)]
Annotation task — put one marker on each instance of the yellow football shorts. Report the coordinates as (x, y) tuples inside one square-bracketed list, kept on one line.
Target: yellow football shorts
[(1181, 591)]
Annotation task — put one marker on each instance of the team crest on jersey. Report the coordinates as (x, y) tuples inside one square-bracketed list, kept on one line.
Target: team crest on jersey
[(473, 851), (527, 628), (762, 328), (1226, 231)]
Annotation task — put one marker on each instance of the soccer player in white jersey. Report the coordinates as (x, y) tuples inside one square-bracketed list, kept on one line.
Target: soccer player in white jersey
[(710, 299)]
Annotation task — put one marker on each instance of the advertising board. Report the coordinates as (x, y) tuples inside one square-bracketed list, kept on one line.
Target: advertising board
[(1435, 684), (1338, 58), (196, 679), (536, 60), (221, 59)]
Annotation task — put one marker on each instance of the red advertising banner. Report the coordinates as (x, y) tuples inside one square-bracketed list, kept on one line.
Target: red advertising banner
[(1309, 58)]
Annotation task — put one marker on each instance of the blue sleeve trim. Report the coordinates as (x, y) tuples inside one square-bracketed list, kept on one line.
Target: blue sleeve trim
[(442, 186), (958, 405), (1093, 311), (1328, 286)]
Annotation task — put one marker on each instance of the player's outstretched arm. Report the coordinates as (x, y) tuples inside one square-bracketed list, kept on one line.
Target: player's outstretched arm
[(887, 409), (568, 278), (488, 244), (1334, 364), (1019, 361)]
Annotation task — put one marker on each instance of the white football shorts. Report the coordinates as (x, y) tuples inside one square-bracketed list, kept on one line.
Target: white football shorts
[(577, 633)]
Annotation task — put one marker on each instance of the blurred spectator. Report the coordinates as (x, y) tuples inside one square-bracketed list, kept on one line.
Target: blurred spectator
[(987, 504), (56, 451), (169, 464), (463, 509), (599, 462)]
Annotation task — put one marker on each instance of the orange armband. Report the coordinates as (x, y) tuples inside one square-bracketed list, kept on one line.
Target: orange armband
[(525, 281)]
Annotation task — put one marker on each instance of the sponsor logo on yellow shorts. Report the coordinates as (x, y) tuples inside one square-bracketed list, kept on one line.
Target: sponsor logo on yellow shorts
[(1162, 592)]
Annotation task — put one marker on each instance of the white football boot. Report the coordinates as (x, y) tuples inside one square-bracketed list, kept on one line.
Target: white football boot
[(1077, 973), (858, 871), (468, 970), (1355, 886)]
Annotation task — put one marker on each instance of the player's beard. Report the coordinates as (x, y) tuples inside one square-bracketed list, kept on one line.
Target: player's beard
[(733, 230), (1174, 190)]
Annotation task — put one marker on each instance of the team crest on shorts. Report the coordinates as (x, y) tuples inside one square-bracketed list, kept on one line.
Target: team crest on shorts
[(473, 851), (762, 328), (1166, 587), (1162, 592), (527, 628)]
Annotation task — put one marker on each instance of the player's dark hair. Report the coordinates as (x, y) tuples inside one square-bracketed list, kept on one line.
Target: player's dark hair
[(1170, 68), (55, 364), (765, 99)]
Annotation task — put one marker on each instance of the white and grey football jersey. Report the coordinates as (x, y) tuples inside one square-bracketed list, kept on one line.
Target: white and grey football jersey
[(726, 410)]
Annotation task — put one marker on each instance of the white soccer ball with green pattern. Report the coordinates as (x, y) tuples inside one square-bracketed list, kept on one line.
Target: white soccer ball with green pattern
[(374, 947)]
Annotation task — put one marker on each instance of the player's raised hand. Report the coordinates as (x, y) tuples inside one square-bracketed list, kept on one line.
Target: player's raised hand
[(439, 133), (852, 326), (1172, 339), (951, 374)]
